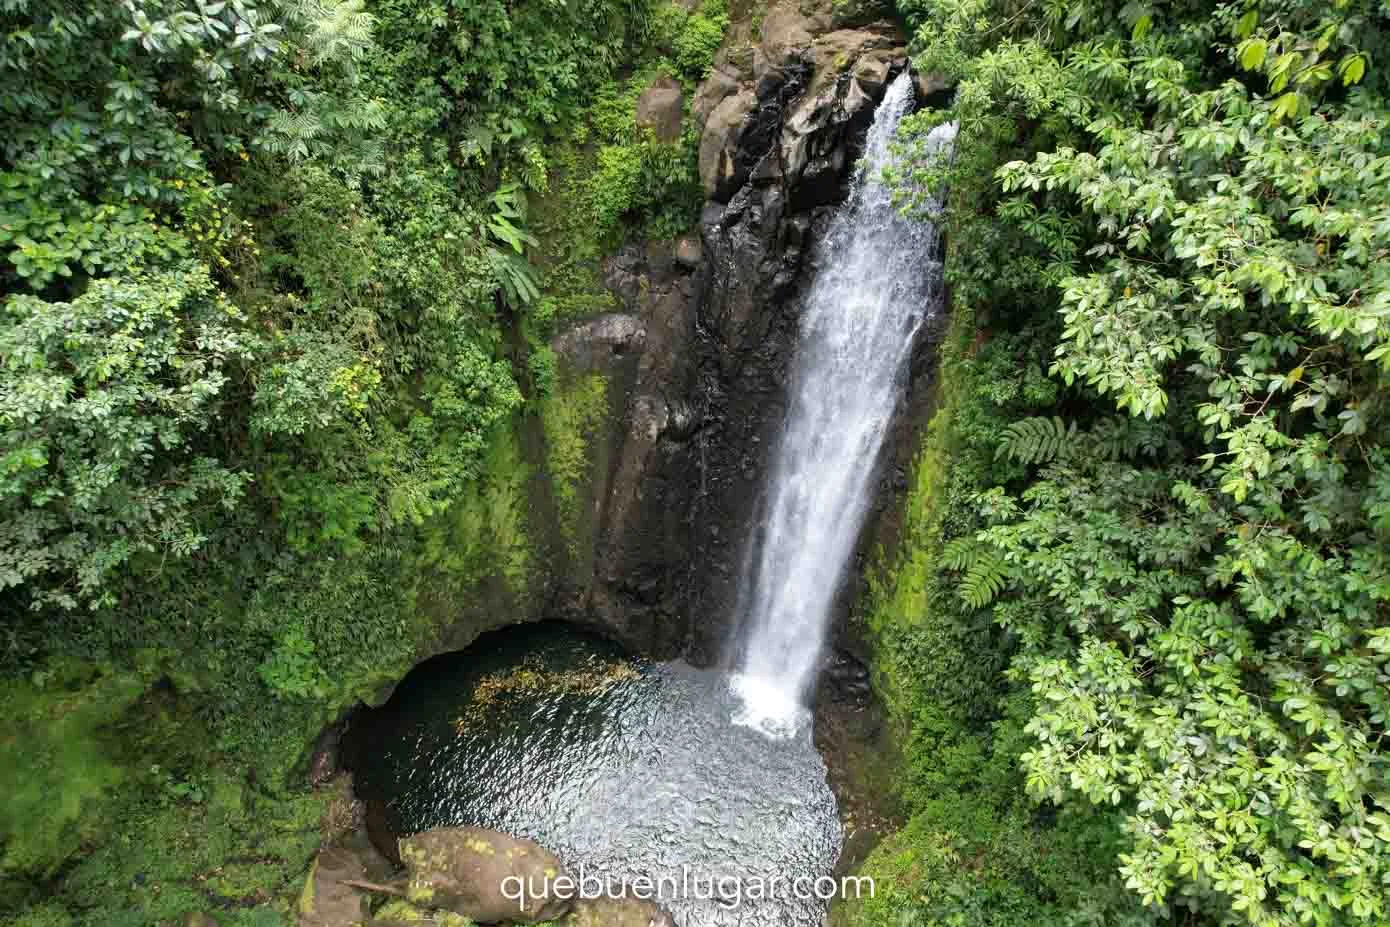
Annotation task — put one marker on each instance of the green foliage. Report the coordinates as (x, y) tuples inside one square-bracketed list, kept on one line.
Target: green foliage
[(103, 454), (182, 853), (569, 418), (1034, 440), (1194, 591), (635, 182), (268, 308), (484, 536), (513, 69), (975, 850), (694, 37), (614, 181)]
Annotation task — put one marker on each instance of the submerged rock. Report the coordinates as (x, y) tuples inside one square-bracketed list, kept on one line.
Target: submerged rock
[(476, 872)]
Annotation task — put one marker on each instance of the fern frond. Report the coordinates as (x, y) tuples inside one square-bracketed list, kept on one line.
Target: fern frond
[(335, 29), (983, 581), (1119, 437), (957, 554), (1036, 440)]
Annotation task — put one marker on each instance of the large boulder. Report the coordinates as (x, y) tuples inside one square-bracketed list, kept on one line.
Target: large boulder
[(719, 144), (659, 109), (482, 874), (617, 912), (715, 90), (327, 899), (787, 34)]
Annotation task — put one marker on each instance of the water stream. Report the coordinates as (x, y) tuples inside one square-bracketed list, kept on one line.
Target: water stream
[(877, 282), (628, 769)]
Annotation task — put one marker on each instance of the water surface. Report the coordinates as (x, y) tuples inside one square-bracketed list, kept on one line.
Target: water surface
[(624, 766)]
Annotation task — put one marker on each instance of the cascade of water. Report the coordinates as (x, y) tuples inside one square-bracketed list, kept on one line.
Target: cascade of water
[(879, 279)]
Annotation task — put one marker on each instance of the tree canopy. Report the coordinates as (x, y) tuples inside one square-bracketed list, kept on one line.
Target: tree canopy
[(1188, 544)]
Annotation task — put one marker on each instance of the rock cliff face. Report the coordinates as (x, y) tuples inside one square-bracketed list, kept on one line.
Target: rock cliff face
[(697, 361)]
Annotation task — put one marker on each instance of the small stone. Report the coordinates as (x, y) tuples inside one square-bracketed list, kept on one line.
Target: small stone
[(689, 252)]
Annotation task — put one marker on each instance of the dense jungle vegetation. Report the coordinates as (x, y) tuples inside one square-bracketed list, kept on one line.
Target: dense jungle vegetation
[(278, 280), (1158, 479), (274, 301)]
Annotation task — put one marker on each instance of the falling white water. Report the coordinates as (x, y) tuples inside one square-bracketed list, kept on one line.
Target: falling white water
[(879, 279)]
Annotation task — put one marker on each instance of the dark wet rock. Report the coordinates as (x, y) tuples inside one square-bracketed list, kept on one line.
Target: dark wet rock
[(376, 824), (846, 679), (472, 871)]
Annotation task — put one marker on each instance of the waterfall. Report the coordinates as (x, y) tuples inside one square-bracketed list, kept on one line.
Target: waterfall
[(878, 280)]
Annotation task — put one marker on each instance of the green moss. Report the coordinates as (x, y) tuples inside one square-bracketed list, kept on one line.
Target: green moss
[(571, 418), (611, 182), (62, 762), (484, 534), (402, 912), (167, 860), (306, 894), (182, 831), (256, 880), (45, 915), (922, 651)]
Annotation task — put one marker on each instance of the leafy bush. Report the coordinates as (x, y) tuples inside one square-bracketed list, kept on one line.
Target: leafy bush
[(262, 266), (699, 37), (1192, 591)]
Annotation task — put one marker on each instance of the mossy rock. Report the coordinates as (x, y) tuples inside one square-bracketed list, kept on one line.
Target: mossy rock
[(326, 901), (472, 871), (403, 912), (617, 912)]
